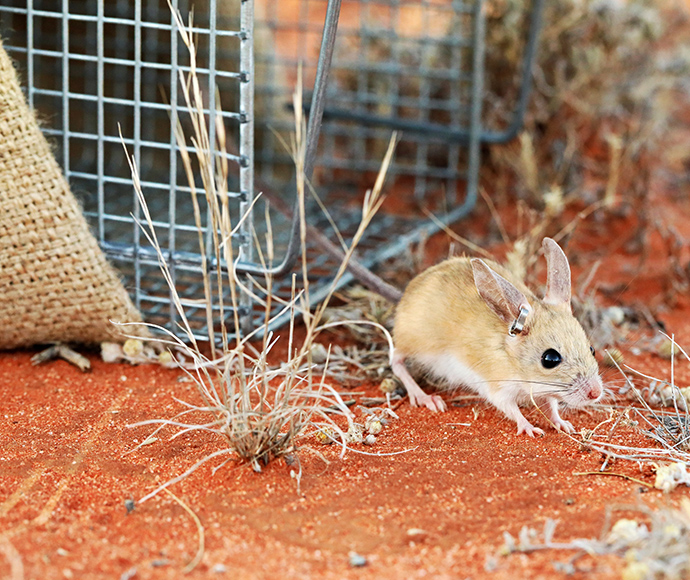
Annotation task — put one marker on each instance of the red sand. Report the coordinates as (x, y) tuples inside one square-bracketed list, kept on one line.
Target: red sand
[(66, 476)]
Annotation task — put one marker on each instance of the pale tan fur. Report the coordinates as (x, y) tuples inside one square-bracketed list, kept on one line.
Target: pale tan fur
[(441, 310)]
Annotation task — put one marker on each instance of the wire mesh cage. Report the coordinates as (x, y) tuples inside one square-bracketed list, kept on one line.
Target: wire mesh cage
[(94, 70), (396, 63)]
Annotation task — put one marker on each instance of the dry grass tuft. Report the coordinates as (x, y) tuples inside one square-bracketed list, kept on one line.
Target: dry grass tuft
[(653, 549), (260, 412), (608, 81)]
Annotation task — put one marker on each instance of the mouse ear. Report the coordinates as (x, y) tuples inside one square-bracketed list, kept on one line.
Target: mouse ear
[(499, 294), (557, 275)]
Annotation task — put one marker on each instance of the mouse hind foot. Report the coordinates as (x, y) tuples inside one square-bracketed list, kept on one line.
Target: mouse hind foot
[(417, 396)]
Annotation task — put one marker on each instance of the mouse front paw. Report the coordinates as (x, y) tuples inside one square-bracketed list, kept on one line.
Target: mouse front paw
[(563, 425)]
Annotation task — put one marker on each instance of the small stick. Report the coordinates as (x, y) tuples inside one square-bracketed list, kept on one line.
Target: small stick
[(347, 403), (64, 352), (371, 401), (451, 234), (200, 552), (616, 147), (649, 485), (399, 404), (495, 215)]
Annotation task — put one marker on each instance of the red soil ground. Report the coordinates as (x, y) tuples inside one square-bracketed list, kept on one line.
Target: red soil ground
[(67, 473)]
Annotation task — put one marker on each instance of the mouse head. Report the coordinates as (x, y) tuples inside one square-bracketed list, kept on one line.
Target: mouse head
[(546, 344)]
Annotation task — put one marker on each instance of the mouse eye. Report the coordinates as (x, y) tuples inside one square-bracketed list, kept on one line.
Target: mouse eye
[(551, 359), (594, 352)]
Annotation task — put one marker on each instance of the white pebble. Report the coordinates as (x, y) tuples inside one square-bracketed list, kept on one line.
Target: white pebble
[(369, 439)]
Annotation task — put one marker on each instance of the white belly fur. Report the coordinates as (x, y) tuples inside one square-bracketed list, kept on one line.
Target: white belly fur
[(451, 369), (454, 371)]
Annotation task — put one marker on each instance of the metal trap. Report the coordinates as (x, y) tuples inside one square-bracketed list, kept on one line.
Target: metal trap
[(92, 69)]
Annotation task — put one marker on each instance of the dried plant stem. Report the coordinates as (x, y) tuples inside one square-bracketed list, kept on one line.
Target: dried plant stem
[(495, 215), (186, 474), (623, 475), (200, 529), (616, 147), (451, 234), (528, 162)]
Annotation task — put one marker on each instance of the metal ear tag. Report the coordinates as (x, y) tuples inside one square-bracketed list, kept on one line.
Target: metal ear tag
[(519, 323)]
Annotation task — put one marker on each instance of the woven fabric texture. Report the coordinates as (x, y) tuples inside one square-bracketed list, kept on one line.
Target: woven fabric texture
[(55, 283)]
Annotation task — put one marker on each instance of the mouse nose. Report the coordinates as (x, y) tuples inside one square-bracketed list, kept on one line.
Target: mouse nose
[(594, 389)]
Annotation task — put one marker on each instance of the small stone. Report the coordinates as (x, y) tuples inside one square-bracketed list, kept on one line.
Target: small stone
[(369, 439), (319, 353), (133, 347), (127, 575), (491, 564), (388, 385), (566, 568), (669, 476), (354, 435), (129, 505), (615, 314), (326, 436), (111, 352), (668, 350), (627, 531), (166, 359), (416, 535), (357, 560), (613, 358), (373, 425), (219, 569), (636, 571)]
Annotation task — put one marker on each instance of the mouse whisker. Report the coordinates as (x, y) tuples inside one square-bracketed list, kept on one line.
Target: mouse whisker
[(549, 383), (545, 383), (546, 393)]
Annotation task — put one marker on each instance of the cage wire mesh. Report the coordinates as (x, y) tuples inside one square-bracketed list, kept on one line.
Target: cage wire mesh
[(413, 65)]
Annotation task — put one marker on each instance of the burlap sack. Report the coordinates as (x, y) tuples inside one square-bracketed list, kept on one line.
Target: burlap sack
[(55, 283)]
